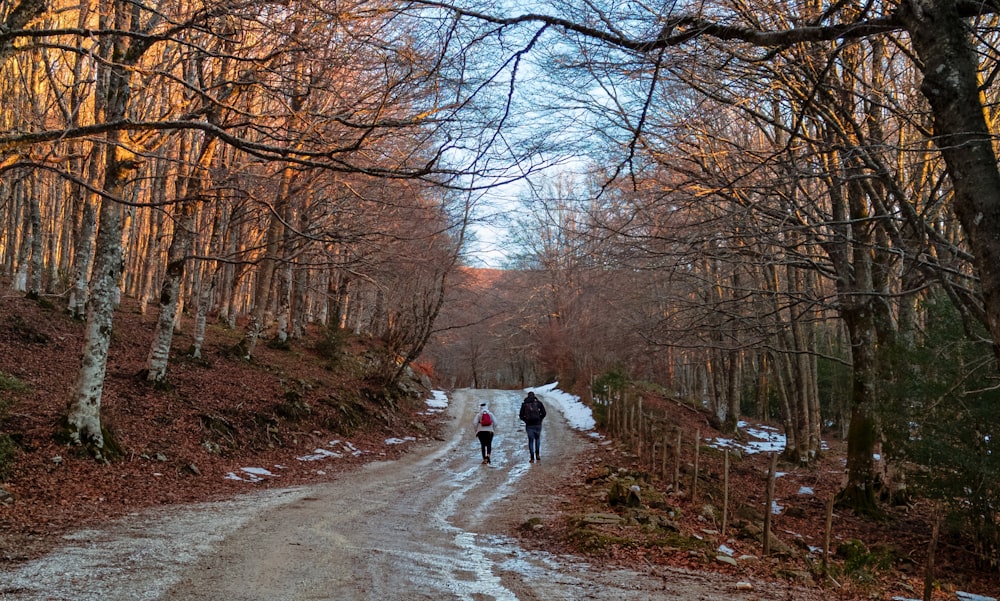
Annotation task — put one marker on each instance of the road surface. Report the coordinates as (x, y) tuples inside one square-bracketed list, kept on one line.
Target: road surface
[(422, 527)]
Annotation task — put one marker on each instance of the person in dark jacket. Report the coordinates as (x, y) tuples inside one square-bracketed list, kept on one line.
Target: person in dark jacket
[(532, 413)]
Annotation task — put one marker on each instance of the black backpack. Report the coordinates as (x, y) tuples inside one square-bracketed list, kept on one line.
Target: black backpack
[(532, 412)]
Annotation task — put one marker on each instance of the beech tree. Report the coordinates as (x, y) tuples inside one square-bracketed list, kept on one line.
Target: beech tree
[(940, 32), (329, 96)]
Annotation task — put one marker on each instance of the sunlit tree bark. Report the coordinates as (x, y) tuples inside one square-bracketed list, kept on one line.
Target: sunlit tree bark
[(191, 196), (83, 415)]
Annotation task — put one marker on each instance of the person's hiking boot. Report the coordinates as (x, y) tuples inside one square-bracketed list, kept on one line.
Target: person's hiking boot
[(487, 459), (532, 460)]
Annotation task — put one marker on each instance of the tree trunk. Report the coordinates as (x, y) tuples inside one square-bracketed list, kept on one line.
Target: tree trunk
[(942, 40), (185, 224), (159, 350), (302, 309), (734, 396), (60, 226), (712, 377), (301, 313), (284, 298), (267, 269), (862, 434), (83, 255), (21, 200), (83, 415), (150, 268), (37, 264), (84, 412), (210, 274)]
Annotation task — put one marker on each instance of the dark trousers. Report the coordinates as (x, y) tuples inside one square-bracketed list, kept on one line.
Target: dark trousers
[(485, 442)]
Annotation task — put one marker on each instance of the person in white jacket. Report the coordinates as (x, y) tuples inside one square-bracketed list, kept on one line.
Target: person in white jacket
[(485, 425)]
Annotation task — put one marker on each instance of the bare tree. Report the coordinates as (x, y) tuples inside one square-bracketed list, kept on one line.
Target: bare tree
[(942, 39)]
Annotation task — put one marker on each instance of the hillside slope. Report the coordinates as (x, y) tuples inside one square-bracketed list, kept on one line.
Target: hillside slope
[(188, 441), (192, 441)]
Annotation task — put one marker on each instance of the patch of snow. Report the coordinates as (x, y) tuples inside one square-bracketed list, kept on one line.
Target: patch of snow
[(768, 440), (438, 400), (776, 509), (350, 447), (727, 550), (973, 597), (399, 440), (250, 474), (806, 490), (327, 453), (257, 471), (319, 454)]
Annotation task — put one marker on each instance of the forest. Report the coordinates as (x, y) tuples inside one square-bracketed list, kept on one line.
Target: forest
[(784, 210)]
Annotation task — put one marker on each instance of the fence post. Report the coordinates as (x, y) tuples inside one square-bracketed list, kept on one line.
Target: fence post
[(663, 462), (677, 462), (828, 531), (929, 574), (770, 503), (697, 454), (725, 492)]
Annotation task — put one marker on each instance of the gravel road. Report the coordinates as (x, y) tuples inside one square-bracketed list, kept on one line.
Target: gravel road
[(422, 527)]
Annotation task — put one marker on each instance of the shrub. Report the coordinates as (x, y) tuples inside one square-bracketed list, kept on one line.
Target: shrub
[(942, 421), (9, 383)]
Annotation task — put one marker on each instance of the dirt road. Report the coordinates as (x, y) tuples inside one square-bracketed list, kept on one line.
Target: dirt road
[(423, 527)]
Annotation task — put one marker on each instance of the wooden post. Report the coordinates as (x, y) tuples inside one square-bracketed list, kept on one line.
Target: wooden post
[(610, 412), (626, 418), (613, 414), (663, 462), (654, 452), (616, 418), (640, 426), (828, 531), (653, 444), (929, 574), (725, 492), (770, 503), (694, 479), (677, 462), (634, 431)]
